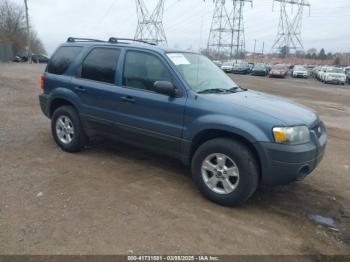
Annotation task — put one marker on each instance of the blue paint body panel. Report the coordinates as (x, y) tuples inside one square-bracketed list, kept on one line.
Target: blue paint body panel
[(172, 124)]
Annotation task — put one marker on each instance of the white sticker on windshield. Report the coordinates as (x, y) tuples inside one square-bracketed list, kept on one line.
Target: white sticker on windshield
[(178, 59)]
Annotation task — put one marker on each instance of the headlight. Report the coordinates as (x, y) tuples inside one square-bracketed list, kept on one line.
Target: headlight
[(291, 135)]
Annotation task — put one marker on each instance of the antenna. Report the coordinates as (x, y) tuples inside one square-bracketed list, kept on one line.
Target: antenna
[(150, 26), (226, 38)]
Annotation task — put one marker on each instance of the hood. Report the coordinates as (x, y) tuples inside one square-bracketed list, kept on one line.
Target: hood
[(277, 71), (286, 111), (241, 67)]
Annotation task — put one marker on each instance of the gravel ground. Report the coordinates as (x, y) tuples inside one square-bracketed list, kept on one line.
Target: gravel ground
[(117, 199)]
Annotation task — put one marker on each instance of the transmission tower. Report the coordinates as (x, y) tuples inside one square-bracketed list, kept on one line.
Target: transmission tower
[(290, 24), (226, 38), (150, 25)]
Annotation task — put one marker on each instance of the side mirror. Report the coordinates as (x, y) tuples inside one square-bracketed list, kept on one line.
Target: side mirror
[(165, 88)]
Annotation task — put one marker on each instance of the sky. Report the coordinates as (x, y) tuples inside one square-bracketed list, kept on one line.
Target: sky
[(186, 22)]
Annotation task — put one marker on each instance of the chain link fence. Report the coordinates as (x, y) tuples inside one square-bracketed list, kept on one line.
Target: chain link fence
[(6, 52)]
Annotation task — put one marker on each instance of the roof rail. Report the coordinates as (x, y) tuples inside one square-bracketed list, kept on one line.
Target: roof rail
[(117, 40), (75, 39)]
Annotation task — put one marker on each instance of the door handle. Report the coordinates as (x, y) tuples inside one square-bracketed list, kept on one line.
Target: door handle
[(128, 99), (80, 89)]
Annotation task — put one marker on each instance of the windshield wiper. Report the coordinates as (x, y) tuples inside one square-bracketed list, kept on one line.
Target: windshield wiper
[(234, 89), (243, 88), (214, 91)]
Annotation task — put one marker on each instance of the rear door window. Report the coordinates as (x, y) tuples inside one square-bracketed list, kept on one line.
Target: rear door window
[(62, 59), (100, 65)]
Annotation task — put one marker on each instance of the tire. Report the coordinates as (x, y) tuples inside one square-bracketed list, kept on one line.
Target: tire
[(244, 160), (76, 141)]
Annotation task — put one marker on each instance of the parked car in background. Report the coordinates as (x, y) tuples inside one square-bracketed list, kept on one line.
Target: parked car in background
[(228, 67), (251, 66), (40, 59), (241, 68), (259, 70), (347, 70), (278, 71), (321, 73), (310, 67), (334, 75), (348, 77), (178, 103), (300, 71), (218, 63), (268, 66), (314, 71), (20, 59)]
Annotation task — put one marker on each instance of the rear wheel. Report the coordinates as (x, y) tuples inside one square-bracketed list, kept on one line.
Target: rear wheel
[(67, 130), (225, 171)]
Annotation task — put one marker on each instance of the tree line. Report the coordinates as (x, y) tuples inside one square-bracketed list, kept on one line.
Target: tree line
[(310, 54), (13, 29)]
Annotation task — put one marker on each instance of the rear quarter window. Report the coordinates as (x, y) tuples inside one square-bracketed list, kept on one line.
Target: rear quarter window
[(62, 59)]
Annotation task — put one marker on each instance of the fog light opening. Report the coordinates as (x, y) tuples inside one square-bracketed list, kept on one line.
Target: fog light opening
[(303, 172)]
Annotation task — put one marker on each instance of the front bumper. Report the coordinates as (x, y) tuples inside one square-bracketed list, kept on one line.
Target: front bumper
[(259, 73), (277, 75), (242, 72), (282, 164), (335, 81), (300, 75)]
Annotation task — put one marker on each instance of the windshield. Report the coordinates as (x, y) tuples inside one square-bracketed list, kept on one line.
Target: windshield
[(227, 64), (300, 68), (279, 67), (335, 70), (241, 65), (260, 67), (200, 73)]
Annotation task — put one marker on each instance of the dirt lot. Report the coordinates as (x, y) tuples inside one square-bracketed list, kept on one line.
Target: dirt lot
[(116, 199)]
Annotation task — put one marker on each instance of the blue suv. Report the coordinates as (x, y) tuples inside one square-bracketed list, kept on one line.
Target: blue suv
[(180, 104)]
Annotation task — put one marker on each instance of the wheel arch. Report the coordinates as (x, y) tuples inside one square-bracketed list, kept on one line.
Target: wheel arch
[(59, 102), (209, 134), (63, 96)]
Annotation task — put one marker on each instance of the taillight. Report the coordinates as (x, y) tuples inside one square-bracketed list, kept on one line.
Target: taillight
[(42, 82)]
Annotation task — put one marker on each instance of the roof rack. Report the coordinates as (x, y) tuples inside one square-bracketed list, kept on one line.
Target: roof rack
[(117, 40), (75, 39), (112, 40)]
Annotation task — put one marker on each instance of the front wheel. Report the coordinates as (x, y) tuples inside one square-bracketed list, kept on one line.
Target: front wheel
[(67, 130), (225, 171)]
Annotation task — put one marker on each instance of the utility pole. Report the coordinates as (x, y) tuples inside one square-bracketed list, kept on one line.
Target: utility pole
[(262, 51), (150, 25), (254, 50), (28, 33), (226, 38), (289, 28)]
